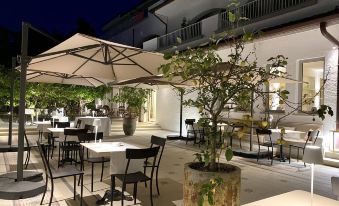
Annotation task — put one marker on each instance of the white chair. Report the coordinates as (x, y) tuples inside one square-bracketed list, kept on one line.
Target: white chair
[(335, 186)]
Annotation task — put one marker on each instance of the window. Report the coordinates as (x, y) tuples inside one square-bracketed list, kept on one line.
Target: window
[(312, 95), (275, 86)]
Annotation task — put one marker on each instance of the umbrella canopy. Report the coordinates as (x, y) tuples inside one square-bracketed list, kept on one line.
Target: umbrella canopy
[(88, 56), (59, 78)]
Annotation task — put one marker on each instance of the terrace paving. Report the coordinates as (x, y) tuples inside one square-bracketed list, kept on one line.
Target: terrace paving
[(258, 180)]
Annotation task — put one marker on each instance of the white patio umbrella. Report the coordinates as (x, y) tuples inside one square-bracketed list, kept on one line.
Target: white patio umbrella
[(59, 78), (88, 56)]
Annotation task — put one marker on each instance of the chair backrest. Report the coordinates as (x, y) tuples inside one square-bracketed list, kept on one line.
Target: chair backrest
[(335, 186), (158, 141), (61, 124), (189, 121), (78, 124), (87, 137), (42, 152), (314, 136), (132, 154), (74, 132), (90, 128), (26, 140), (263, 132)]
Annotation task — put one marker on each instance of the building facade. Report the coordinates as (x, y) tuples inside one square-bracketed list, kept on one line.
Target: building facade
[(291, 28)]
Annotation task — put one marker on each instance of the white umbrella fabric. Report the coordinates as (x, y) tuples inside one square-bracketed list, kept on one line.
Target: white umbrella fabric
[(88, 56), (59, 78)]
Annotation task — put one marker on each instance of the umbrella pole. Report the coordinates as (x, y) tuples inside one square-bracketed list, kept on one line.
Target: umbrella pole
[(24, 62), (181, 99), (10, 120)]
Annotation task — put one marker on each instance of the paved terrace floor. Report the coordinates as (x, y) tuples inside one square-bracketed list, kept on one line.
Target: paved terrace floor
[(258, 181)]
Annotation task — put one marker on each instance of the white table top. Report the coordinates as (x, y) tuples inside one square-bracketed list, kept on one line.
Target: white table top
[(295, 198), (90, 117), (43, 122), (287, 131), (105, 147), (118, 155), (60, 129)]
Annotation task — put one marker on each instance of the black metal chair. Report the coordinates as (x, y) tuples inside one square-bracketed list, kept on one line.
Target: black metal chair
[(59, 173), (78, 124), (311, 136), (235, 129), (68, 150), (266, 143), (136, 177), (156, 141), (52, 139), (89, 137), (191, 136)]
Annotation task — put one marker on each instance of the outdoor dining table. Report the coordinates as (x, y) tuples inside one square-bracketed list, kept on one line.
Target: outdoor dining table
[(117, 151), (105, 125), (42, 127), (295, 198), (278, 131)]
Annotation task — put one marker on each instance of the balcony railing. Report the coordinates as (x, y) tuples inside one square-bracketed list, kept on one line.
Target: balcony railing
[(185, 34), (257, 9)]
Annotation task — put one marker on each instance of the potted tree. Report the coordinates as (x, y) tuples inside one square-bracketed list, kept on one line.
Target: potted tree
[(216, 83), (135, 98)]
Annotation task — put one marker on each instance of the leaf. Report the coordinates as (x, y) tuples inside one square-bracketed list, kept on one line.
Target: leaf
[(229, 154), (231, 17), (210, 198), (179, 41)]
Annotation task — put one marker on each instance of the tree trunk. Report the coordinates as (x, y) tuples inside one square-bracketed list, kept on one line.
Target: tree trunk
[(213, 147)]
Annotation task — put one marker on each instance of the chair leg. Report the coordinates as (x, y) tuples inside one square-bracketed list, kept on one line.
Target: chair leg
[(52, 148), (122, 193), (102, 171), (156, 180), (43, 196), (28, 157), (145, 174), (112, 188), (272, 157), (135, 189), (92, 177), (59, 155), (75, 188), (258, 154), (52, 190), (289, 155), (82, 188), (150, 192)]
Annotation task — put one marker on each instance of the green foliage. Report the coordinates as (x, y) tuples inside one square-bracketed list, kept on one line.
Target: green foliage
[(135, 98), (51, 96), (209, 189), (217, 83), (324, 109)]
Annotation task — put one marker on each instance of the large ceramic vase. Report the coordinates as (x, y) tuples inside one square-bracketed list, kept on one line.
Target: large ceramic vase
[(129, 125), (227, 194)]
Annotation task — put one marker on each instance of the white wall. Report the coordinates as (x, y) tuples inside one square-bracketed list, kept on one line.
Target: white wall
[(298, 46), (168, 110)]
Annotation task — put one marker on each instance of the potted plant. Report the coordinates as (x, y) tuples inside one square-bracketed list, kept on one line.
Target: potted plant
[(216, 83), (135, 98)]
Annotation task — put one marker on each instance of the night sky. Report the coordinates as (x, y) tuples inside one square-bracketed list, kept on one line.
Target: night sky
[(60, 16)]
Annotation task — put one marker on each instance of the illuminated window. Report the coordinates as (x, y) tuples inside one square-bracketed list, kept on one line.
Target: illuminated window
[(275, 86), (312, 95)]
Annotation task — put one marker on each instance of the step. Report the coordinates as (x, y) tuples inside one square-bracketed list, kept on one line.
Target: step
[(331, 162)]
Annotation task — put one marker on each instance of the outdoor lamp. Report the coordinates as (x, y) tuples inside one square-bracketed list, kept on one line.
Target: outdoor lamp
[(313, 155), (96, 123)]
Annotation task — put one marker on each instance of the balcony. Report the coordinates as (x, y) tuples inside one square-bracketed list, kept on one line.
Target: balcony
[(259, 13), (185, 34), (261, 9)]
